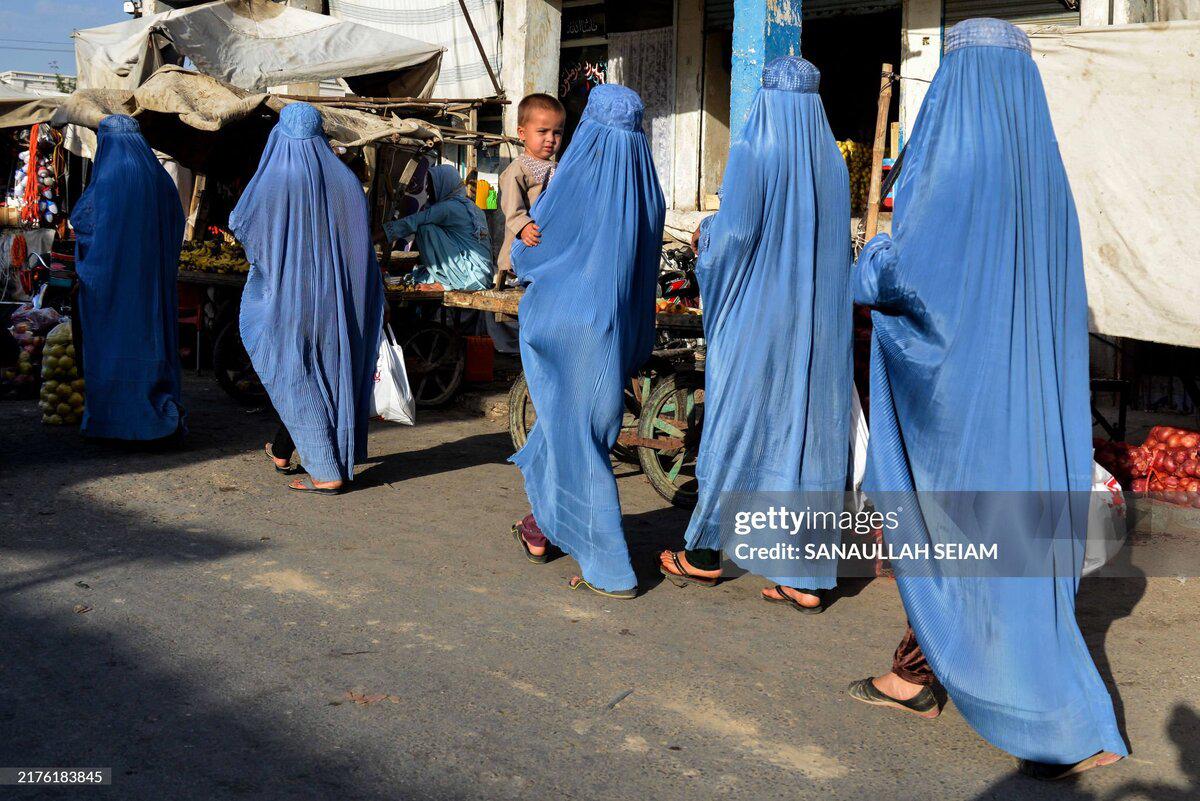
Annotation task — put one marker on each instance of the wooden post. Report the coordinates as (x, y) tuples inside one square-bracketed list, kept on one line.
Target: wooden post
[(473, 149), (881, 127), (194, 229)]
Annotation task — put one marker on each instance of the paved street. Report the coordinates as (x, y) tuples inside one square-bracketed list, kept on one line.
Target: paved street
[(235, 640)]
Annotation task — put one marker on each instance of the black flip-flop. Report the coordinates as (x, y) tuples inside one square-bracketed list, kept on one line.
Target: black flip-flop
[(621, 595), (784, 598), (290, 470), (683, 577), (924, 704), (314, 489), (532, 557)]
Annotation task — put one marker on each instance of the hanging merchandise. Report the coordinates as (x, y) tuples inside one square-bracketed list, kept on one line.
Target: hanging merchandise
[(858, 161), (61, 398), (32, 200)]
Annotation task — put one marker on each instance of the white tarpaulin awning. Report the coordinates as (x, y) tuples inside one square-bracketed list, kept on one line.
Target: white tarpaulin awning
[(255, 45), (1126, 107), (463, 71)]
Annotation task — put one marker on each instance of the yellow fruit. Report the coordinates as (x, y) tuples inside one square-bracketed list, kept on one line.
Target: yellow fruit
[(66, 363), (63, 408), (76, 399)]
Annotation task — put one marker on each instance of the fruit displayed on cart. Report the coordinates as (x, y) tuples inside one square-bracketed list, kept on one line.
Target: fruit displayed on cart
[(214, 256)]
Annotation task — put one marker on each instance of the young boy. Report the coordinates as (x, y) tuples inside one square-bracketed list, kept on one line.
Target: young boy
[(540, 122)]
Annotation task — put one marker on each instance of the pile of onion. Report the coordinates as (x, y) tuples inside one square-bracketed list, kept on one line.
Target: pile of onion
[(1165, 467)]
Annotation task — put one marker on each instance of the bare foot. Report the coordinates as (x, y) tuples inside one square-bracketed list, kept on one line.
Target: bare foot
[(802, 598), (892, 685), (282, 464), (534, 550), (302, 484)]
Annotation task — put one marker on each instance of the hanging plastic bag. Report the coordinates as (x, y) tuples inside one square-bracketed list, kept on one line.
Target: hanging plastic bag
[(392, 399)]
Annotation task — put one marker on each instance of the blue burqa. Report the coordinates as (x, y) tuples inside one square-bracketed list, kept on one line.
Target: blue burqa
[(979, 390), (128, 233), (452, 236), (312, 309), (587, 324), (774, 272)]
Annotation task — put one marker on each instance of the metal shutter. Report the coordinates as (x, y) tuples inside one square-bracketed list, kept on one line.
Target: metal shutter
[(1028, 13), (812, 9), (718, 15)]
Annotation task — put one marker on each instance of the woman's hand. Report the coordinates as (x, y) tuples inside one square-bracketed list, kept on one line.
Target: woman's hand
[(696, 241)]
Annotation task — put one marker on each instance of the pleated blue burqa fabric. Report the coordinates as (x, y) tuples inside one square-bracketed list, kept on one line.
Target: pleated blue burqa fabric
[(452, 236), (128, 233), (312, 309), (979, 386), (774, 273), (587, 324)]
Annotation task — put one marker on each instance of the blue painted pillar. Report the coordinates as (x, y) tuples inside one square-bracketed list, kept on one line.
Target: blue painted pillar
[(762, 30)]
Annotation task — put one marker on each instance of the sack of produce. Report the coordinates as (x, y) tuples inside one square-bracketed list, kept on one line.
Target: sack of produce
[(28, 325), (61, 399)]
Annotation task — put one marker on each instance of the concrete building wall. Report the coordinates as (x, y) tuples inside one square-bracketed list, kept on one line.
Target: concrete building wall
[(529, 52), (920, 55)]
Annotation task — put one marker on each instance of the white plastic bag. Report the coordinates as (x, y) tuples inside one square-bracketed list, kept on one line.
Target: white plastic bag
[(859, 436), (1106, 521), (392, 399)]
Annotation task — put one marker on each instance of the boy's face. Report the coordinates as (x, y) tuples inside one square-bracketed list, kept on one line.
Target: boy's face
[(542, 132)]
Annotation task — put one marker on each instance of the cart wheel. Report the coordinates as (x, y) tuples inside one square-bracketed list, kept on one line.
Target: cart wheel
[(233, 369), (435, 360), (636, 391), (521, 414), (673, 414)]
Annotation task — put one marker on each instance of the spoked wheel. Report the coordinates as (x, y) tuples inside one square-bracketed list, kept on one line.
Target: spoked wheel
[(522, 415), (636, 391), (435, 360), (233, 369), (669, 431)]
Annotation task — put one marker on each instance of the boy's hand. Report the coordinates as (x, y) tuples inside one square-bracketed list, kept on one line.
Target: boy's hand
[(531, 235)]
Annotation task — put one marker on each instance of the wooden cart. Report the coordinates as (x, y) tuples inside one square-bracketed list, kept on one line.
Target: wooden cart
[(664, 402), (434, 352)]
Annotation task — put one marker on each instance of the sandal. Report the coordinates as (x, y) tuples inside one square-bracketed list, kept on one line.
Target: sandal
[(290, 470), (924, 704), (623, 595), (683, 577), (312, 488), (784, 598), (1050, 772), (518, 534)]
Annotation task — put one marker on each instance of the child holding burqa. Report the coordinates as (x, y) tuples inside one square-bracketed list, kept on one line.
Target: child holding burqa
[(540, 123)]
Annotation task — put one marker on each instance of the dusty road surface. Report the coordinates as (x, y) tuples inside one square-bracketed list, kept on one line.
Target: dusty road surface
[(185, 620)]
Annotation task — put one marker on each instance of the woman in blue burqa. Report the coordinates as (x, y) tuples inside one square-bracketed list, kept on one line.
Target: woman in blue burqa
[(587, 325), (774, 273), (129, 230), (452, 236), (980, 422), (312, 310)]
